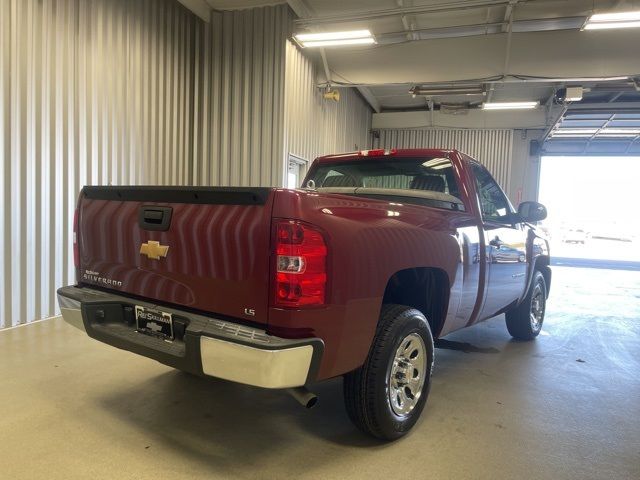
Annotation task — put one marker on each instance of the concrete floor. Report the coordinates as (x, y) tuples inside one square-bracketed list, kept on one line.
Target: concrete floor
[(565, 406)]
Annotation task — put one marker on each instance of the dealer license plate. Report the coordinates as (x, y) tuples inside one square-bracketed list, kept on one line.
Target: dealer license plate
[(154, 322)]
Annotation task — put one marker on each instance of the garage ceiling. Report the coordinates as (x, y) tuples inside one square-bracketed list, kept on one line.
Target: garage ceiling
[(440, 43), (511, 50)]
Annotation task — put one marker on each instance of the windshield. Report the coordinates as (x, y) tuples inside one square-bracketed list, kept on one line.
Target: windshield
[(420, 176)]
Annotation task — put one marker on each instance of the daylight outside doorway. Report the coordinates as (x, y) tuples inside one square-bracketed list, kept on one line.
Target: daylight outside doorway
[(594, 209)]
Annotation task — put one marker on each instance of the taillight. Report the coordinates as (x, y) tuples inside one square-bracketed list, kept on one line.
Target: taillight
[(300, 265), (76, 252)]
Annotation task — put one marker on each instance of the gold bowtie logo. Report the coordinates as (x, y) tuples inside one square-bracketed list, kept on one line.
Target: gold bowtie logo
[(154, 250)]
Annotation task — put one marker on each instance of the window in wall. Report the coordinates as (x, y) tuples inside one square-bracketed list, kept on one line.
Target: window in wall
[(297, 169)]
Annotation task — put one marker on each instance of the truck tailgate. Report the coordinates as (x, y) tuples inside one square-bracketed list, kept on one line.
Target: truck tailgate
[(203, 248)]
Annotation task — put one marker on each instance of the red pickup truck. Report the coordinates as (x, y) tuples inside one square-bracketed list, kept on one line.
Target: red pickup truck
[(354, 274)]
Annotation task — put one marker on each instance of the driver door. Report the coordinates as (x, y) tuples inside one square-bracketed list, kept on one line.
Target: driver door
[(505, 241)]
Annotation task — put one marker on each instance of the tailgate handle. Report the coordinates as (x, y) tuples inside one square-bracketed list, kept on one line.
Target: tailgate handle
[(155, 218)]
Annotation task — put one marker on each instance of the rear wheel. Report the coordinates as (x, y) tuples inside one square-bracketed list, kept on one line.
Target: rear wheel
[(386, 396), (525, 321)]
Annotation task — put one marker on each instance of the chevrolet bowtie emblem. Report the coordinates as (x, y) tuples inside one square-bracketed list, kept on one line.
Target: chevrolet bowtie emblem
[(154, 250)]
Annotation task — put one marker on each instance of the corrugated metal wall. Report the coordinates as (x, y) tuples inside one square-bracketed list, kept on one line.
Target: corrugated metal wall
[(240, 98), (141, 92), (91, 92), (492, 148), (313, 125)]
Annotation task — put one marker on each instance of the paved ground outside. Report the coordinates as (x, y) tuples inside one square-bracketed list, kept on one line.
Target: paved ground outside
[(597, 253)]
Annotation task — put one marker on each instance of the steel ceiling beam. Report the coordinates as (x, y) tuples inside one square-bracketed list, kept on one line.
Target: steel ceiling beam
[(300, 8), (200, 7), (508, 16), (553, 57), (392, 12), (370, 98), (507, 50), (408, 22)]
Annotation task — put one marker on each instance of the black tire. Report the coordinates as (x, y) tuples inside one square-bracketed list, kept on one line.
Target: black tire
[(522, 322), (367, 390)]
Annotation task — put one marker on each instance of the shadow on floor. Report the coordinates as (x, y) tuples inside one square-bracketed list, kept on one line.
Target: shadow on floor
[(222, 423), (463, 347)]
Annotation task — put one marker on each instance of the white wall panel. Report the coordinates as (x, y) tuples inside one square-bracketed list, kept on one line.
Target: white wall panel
[(492, 148), (240, 97), (525, 168), (91, 92), (315, 126)]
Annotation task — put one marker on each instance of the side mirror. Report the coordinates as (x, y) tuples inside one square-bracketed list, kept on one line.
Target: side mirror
[(532, 212)]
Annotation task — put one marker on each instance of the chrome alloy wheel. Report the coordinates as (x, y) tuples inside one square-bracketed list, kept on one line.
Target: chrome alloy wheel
[(407, 375), (536, 314)]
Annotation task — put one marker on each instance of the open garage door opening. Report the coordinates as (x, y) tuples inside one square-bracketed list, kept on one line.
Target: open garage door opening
[(593, 212)]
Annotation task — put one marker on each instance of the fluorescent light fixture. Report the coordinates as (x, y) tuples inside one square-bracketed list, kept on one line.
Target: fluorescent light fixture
[(439, 91), (313, 37), (509, 105), (602, 21), (615, 17), (334, 43), (331, 39)]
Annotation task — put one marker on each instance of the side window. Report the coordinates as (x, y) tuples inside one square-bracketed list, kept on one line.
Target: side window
[(493, 203)]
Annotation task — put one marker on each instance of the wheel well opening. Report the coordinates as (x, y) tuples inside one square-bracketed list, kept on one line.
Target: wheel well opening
[(425, 289), (542, 265)]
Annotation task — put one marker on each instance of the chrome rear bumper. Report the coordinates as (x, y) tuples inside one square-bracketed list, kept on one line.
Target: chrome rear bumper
[(208, 346), (70, 310), (284, 368)]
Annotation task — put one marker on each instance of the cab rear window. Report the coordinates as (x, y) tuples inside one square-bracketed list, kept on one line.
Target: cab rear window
[(431, 179), (430, 174)]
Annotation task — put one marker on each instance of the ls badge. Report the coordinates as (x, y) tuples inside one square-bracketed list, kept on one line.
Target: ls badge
[(154, 250)]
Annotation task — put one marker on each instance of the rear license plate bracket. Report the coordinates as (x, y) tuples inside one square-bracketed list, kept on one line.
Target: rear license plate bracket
[(157, 323)]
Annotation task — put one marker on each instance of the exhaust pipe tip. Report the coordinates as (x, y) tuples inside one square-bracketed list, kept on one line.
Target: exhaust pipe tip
[(303, 396), (312, 402)]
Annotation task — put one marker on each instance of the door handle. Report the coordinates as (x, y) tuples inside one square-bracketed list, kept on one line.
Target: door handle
[(154, 218)]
